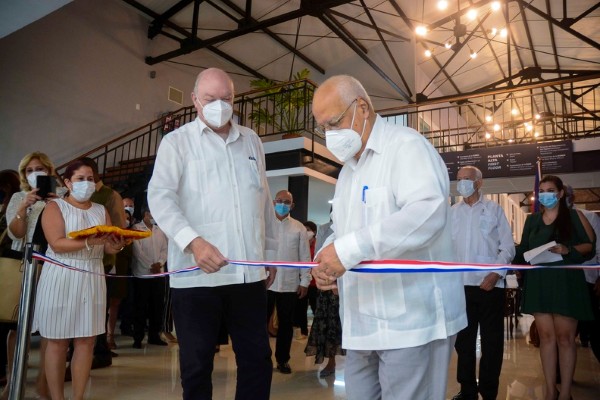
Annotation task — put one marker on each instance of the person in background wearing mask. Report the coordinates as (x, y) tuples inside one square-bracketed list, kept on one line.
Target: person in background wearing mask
[(129, 205), (209, 194), (290, 284), (112, 201), (22, 214), (125, 306), (300, 317), (149, 257), (118, 291), (557, 297), (390, 202), (481, 235), (69, 304), (589, 331)]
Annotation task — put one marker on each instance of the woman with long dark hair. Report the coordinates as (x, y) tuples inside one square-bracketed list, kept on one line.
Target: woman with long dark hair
[(557, 297)]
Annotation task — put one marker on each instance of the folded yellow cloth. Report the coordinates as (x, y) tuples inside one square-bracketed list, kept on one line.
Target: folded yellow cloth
[(102, 229)]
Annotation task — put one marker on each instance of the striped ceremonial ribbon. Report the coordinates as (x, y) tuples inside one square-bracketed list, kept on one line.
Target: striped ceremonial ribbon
[(377, 266)]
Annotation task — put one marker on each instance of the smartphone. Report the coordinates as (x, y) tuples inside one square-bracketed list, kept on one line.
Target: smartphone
[(45, 184)]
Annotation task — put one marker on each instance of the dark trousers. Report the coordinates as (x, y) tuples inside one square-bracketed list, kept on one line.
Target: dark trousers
[(285, 304), (149, 305), (300, 317), (198, 313), (589, 331), (486, 310)]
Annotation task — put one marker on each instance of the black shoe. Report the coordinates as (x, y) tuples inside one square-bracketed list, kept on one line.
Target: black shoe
[(101, 361), (461, 396), (157, 342), (284, 368), (137, 344)]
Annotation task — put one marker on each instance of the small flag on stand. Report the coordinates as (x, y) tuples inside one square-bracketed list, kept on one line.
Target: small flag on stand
[(535, 204)]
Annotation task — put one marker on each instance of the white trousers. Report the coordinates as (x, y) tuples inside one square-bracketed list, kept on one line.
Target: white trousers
[(416, 373)]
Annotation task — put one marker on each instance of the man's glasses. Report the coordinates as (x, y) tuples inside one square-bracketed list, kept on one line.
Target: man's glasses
[(321, 129)]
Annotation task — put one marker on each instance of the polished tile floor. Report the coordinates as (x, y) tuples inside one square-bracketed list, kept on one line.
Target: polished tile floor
[(153, 373)]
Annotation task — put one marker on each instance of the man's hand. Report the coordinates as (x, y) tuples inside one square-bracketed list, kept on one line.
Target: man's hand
[(271, 272), (329, 269), (302, 291), (489, 282), (155, 268), (207, 256)]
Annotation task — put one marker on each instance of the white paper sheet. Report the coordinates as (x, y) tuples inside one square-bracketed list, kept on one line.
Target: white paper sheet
[(541, 255)]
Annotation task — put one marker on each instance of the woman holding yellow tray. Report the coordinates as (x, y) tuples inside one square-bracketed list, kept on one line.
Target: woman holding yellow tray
[(70, 304)]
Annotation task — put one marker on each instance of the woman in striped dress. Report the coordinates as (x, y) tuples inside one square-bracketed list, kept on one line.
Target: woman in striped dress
[(71, 304)]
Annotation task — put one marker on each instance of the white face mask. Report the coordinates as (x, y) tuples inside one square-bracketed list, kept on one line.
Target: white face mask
[(152, 221), (217, 113), (83, 190), (130, 209), (465, 187), (344, 143), (32, 178)]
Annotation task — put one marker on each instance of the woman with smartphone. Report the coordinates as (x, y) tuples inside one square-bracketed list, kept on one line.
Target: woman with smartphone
[(22, 213)]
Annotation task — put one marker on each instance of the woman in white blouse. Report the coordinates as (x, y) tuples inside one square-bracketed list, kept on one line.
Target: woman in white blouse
[(22, 215)]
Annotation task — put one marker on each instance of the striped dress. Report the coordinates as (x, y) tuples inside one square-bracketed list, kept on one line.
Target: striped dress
[(72, 304)]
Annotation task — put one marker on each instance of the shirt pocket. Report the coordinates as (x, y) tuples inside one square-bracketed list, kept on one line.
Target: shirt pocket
[(381, 296), (487, 223), (377, 205)]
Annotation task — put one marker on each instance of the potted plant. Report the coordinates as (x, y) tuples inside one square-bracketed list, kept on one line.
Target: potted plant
[(281, 108)]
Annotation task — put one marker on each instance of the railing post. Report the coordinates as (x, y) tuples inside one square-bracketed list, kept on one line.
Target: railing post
[(26, 304)]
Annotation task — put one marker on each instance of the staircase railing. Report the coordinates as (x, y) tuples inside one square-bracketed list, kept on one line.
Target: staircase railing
[(288, 107)]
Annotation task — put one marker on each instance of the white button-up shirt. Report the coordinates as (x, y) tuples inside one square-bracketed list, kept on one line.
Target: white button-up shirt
[(149, 250), (393, 204), (204, 186), (293, 246), (481, 235)]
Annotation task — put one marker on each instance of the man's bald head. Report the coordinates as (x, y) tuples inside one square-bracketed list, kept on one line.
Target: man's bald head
[(213, 75)]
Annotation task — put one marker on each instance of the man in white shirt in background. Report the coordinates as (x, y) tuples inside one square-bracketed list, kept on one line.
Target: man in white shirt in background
[(290, 283), (481, 234), (149, 257), (209, 194), (390, 202), (589, 331)]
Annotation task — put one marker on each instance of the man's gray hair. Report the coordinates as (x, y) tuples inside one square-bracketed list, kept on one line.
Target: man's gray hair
[(349, 88), (478, 174)]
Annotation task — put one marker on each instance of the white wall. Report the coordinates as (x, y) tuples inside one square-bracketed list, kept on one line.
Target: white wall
[(71, 81)]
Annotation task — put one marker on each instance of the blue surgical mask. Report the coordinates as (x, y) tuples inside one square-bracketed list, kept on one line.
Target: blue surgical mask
[(465, 187), (548, 199), (282, 209)]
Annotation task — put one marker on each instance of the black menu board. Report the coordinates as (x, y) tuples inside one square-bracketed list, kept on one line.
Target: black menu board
[(515, 160)]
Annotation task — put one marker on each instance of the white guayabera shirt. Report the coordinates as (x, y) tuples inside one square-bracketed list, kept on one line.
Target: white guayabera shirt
[(481, 234), (393, 204), (205, 186)]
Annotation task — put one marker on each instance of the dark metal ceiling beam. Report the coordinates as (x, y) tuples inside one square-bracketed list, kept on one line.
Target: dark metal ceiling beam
[(409, 23), (157, 24), (458, 14), (387, 48), (522, 87), (347, 33), (552, 38), (572, 21), (455, 53), (274, 36), (326, 19), (547, 17), (195, 18), (359, 22), (307, 7), (489, 43), (188, 36)]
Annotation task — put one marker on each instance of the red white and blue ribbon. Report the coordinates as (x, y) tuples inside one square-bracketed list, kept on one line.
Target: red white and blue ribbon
[(378, 266)]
